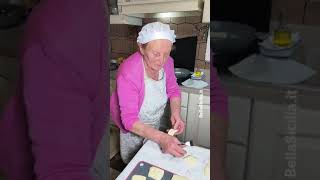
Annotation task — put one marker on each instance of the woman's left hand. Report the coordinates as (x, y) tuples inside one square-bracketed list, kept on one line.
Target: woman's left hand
[(177, 123)]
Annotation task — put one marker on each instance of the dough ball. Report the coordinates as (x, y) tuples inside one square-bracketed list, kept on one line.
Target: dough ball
[(171, 132), (138, 177), (207, 170), (191, 161), (156, 173), (177, 177)]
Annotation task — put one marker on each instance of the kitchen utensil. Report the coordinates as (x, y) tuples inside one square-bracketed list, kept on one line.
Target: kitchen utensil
[(198, 84), (282, 34), (231, 42), (267, 47), (182, 74)]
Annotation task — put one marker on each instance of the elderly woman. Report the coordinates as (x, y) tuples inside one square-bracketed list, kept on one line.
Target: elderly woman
[(145, 82)]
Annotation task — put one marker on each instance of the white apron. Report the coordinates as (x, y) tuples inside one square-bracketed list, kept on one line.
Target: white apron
[(151, 112)]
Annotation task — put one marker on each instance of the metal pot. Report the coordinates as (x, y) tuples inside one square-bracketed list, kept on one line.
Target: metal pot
[(11, 15), (182, 74), (231, 42)]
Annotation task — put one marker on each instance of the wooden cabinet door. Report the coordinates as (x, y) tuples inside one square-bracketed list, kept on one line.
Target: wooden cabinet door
[(184, 110), (285, 143), (236, 158), (239, 118), (198, 120), (203, 133)]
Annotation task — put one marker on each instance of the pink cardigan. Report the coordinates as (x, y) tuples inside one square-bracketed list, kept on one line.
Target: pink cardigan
[(126, 100)]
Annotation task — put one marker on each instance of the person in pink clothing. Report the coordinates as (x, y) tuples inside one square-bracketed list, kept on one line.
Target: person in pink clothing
[(220, 124), (145, 83)]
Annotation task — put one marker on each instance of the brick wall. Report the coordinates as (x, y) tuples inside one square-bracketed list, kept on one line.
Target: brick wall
[(123, 37)]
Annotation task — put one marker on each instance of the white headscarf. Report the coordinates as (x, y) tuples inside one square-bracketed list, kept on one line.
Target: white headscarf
[(154, 31)]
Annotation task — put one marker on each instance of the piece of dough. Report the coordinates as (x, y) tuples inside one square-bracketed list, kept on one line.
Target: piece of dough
[(156, 173), (138, 177), (191, 161), (171, 132), (177, 177), (207, 170)]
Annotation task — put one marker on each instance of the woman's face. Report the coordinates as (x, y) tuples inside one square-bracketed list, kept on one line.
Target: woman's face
[(156, 53)]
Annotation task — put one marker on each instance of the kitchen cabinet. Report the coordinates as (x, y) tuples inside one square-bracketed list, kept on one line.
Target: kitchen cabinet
[(195, 111), (206, 12), (198, 120), (237, 146), (285, 142), (143, 7), (235, 161), (184, 111), (239, 118), (166, 123)]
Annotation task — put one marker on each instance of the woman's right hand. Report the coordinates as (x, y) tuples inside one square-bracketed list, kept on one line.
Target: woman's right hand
[(171, 145)]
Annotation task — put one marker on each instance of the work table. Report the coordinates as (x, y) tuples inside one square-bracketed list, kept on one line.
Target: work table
[(151, 153)]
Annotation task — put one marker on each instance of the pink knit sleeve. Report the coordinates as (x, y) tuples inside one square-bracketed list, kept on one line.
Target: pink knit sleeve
[(128, 96), (173, 89)]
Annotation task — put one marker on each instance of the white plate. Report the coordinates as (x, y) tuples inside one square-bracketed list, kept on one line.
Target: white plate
[(265, 69)]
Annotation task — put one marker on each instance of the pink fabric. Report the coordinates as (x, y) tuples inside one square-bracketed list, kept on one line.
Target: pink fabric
[(126, 100), (218, 95)]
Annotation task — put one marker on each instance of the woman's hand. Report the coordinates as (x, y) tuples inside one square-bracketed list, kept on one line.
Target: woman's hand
[(171, 145), (177, 123)]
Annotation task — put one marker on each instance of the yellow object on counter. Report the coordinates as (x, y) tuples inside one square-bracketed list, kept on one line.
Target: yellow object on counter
[(120, 60), (197, 73), (282, 37)]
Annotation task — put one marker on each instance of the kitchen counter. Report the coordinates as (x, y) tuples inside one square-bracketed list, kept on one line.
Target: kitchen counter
[(205, 91), (308, 92)]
